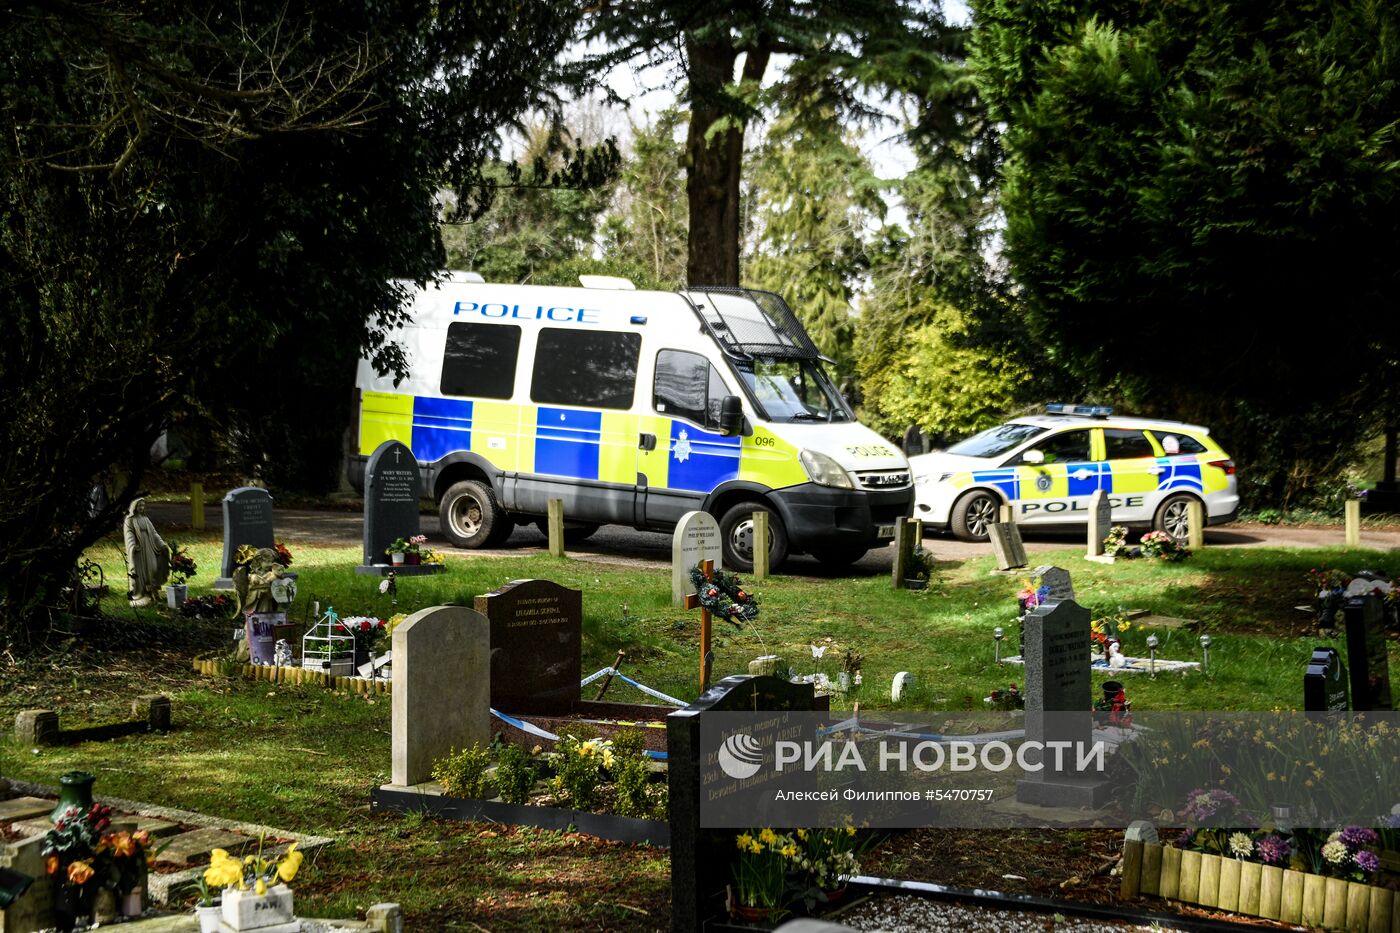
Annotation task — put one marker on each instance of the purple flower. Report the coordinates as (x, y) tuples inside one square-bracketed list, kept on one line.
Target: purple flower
[(1273, 850), (1186, 838), (1201, 805), (1392, 821), (1366, 860), (1354, 837)]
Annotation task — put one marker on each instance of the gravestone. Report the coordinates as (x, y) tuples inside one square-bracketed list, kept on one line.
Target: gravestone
[(1056, 579), (1100, 522), (1007, 545), (392, 491), (536, 645), (1325, 683), (442, 689), (1058, 701), (247, 520), (696, 538), (1366, 653), (701, 858)]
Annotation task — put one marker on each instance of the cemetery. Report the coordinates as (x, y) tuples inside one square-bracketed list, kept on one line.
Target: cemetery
[(552, 706)]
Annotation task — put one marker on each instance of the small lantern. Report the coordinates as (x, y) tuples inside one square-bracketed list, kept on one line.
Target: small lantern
[(1205, 654), (998, 633), (1152, 654), (327, 648)]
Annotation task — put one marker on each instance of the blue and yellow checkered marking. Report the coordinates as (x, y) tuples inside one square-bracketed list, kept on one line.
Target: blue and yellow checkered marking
[(1100, 477), (440, 426), (1180, 474)]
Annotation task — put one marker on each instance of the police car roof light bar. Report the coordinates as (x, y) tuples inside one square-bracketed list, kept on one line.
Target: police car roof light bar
[(1092, 411)]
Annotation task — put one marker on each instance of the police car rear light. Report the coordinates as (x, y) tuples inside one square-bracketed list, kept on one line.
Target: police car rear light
[(1227, 465), (1091, 411)]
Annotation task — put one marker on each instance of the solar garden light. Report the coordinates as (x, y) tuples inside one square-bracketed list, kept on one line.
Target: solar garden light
[(998, 633), (1152, 653), (1205, 654)]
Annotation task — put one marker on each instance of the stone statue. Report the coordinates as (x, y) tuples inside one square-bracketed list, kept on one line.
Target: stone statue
[(252, 581), (147, 556)]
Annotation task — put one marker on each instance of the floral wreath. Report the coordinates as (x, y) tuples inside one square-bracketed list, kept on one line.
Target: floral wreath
[(723, 595)]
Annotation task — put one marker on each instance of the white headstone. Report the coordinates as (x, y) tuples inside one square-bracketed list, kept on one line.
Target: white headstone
[(696, 538), (1100, 521), (901, 684), (442, 689), (1056, 579)]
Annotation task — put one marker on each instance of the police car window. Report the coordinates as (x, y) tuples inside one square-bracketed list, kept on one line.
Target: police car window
[(1071, 446), (687, 386), (1120, 444), (480, 360), (995, 441), (588, 368), (1173, 444)]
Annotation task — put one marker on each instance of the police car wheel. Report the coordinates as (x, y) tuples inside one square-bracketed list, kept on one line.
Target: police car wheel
[(736, 534), (470, 516), (1174, 517), (973, 514)]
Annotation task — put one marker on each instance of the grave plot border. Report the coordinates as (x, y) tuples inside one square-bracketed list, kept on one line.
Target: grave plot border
[(603, 825), (1255, 890)]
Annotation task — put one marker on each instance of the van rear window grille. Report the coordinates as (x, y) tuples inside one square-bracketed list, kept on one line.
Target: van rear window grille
[(750, 323)]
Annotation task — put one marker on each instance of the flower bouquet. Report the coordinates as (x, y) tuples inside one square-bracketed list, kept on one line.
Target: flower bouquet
[(1164, 547), (251, 886), (760, 890)]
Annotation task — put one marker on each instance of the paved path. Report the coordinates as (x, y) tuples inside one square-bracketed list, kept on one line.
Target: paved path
[(617, 544)]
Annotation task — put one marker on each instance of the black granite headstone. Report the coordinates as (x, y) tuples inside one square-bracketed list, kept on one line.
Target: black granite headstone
[(1366, 653), (392, 491), (1325, 683), (701, 859), (247, 520), (536, 646)]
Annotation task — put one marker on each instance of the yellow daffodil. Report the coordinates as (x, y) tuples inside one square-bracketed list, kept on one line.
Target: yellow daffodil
[(744, 840), (767, 837), (291, 862), (802, 834), (850, 830), (789, 850), (755, 848), (261, 887)]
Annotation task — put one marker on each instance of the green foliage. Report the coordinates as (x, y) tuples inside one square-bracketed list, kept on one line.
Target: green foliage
[(578, 769), (1180, 179), (646, 227), (637, 795), (516, 773), (463, 773)]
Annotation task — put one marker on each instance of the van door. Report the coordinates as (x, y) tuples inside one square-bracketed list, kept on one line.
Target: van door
[(682, 455)]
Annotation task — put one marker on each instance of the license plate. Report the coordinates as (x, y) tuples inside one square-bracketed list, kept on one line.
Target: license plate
[(884, 531)]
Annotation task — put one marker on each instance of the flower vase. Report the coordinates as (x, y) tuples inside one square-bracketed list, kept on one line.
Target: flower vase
[(208, 918), (249, 910), (134, 902), (71, 903), (104, 906), (412, 559), (75, 790), (835, 895), (844, 679), (176, 594), (397, 557), (756, 915)]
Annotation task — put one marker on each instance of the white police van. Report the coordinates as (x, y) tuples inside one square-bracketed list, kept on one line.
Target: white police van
[(633, 407)]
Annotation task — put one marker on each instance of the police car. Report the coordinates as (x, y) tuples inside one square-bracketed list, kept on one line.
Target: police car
[(1047, 466)]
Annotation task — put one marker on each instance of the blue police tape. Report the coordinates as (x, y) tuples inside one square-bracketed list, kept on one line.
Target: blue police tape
[(537, 732), (655, 694)]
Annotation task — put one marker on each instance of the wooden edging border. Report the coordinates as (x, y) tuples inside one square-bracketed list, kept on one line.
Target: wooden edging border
[(1256, 890), (214, 667), (605, 826)]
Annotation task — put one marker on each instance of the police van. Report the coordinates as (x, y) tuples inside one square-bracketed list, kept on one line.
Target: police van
[(1047, 466), (633, 407)]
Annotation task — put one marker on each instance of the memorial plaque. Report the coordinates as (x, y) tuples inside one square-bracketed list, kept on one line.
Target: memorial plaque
[(696, 538), (536, 646), (1325, 683), (247, 520), (1007, 545), (1366, 654), (392, 491)]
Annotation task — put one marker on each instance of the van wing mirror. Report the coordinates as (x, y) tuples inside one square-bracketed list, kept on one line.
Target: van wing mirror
[(731, 415), (1033, 456)]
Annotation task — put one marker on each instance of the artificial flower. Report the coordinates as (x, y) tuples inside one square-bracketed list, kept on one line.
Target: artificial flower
[(80, 871)]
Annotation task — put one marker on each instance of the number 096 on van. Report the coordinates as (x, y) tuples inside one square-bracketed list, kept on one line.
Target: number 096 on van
[(633, 407)]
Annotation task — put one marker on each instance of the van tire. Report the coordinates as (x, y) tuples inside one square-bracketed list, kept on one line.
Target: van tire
[(573, 534), (736, 537), (470, 516), (973, 514), (838, 557)]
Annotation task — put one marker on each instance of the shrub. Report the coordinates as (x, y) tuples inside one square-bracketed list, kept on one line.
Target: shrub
[(578, 767), (631, 773), (463, 773), (515, 774)]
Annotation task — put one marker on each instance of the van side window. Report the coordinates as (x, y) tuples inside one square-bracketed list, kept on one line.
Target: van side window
[(687, 386), (588, 368), (480, 360)]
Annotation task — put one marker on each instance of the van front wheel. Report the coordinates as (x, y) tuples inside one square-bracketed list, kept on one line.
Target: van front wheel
[(471, 517), (736, 533)]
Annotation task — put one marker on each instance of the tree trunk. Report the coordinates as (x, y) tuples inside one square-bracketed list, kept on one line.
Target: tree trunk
[(714, 164)]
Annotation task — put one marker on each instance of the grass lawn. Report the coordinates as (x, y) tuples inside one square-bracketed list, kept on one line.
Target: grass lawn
[(305, 759)]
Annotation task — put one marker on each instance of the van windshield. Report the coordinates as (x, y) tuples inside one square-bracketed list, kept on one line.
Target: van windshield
[(996, 441), (790, 390)]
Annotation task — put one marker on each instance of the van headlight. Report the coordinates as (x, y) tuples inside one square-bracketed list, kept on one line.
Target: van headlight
[(824, 471)]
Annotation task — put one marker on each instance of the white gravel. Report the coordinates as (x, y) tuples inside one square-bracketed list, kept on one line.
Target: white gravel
[(901, 913)]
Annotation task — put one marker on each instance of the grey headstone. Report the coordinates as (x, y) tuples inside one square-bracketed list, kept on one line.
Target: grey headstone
[(1056, 579), (1325, 682), (247, 520), (1366, 654), (696, 538), (442, 689), (536, 645), (392, 491), (33, 910), (1007, 545), (700, 858), (1141, 831), (1100, 521), (1056, 655)]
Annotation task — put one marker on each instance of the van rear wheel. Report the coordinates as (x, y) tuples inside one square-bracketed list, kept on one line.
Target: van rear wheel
[(471, 517), (736, 536)]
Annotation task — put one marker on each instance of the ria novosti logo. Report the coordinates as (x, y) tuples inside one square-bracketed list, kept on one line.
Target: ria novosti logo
[(740, 756)]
